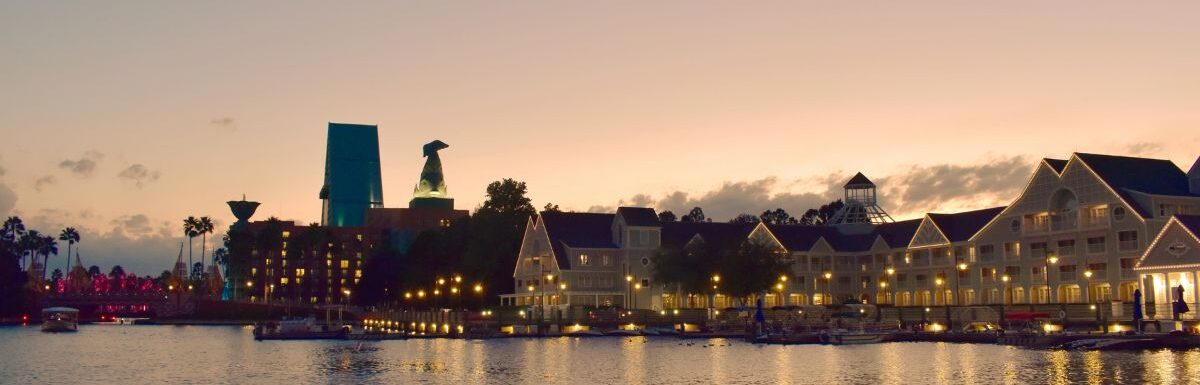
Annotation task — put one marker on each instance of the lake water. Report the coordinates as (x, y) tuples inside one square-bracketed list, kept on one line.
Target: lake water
[(227, 355)]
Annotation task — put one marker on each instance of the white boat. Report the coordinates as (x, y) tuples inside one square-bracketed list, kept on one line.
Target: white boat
[(60, 319), (852, 338)]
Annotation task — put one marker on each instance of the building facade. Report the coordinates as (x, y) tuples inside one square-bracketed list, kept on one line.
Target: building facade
[(353, 181), (1073, 235)]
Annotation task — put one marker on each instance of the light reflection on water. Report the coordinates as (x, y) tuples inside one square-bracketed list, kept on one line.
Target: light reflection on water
[(191, 354)]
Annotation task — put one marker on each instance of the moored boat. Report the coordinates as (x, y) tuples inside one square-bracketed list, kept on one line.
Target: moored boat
[(852, 338), (60, 319)]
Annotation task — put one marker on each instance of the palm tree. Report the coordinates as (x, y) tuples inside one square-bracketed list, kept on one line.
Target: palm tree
[(13, 229), (47, 246), (29, 244), (204, 226), (190, 230), (70, 236)]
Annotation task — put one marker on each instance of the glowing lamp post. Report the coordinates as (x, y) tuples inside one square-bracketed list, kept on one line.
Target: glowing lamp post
[(828, 288)]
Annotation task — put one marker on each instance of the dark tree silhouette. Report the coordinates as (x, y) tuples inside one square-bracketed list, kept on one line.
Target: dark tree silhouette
[(821, 216), (696, 215), (744, 218), (666, 216), (778, 217)]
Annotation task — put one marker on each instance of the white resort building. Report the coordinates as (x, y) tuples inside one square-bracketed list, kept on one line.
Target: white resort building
[(1087, 229)]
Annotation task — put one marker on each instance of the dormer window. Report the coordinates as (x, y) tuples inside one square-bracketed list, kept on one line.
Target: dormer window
[(583, 259)]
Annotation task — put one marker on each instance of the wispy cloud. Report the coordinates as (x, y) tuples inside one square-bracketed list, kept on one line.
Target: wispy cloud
[(1144, 149), (84, 166), (139, 174), (44, 182), (224, 123)]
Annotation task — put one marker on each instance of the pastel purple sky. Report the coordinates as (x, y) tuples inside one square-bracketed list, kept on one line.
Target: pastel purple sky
[(121, 118)]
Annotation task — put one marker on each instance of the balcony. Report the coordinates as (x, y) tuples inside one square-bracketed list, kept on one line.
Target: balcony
[(1093, 222), (1063, 222)]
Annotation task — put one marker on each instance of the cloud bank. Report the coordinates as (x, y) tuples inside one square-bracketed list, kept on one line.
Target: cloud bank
[(910, 192)]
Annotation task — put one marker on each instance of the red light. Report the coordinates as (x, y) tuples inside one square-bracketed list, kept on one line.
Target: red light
[(24, 318)]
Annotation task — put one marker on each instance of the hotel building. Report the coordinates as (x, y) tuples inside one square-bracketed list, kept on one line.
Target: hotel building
[(321, 264), (1075, 234)]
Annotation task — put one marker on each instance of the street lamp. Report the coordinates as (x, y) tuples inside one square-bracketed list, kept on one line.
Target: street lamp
[(828, 288), (1087, 274), (636, 287), (1051, 259)]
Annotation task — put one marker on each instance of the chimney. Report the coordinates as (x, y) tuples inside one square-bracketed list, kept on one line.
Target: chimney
[(1194, 178)]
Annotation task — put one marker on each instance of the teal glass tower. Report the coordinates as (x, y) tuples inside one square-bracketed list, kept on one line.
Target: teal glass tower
[(353, 182)]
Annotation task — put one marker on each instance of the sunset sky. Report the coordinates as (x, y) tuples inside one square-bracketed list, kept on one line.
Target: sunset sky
[(122, 118)]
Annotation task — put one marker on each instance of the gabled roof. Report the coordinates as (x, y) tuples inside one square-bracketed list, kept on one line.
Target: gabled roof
[(859, 180), (851, 242), (960, 227), (638, 216), (800, 237), (898, 234), (1151, 176), (1190, 222), (1056, 164), (721, 234), (578, 230)]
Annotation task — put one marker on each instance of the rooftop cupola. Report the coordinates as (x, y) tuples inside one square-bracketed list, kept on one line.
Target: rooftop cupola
[(861, 204)]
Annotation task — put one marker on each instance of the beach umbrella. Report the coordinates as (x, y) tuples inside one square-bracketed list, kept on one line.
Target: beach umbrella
[(1180, 306), (1137, 307), (758, 312)]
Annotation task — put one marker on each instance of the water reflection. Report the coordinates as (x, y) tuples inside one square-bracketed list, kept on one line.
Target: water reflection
[(161, 354)]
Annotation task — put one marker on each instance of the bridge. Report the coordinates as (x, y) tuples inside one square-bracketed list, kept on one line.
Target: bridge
[(119, 305)]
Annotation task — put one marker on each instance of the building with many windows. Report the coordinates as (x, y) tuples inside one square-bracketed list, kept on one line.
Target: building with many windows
[(1073, 235)]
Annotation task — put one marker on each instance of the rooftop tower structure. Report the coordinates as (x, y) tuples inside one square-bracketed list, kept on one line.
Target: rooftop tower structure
[(353, 181), (430, 191), (861, 204)]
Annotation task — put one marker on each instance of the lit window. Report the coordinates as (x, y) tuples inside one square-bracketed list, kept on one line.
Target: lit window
[(283, 281), (286, 234), (268, 263), (253, 271), (357, 274), (328, 263), (345, 263), (299, 272), (356, 281), (583, 259), (359, 236)]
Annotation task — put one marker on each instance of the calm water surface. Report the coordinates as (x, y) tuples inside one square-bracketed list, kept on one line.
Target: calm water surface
[(216, 355)]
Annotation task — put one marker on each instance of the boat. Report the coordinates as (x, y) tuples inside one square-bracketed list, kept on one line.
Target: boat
[(298, 329), (623, 333), (842, 337), (60, 319), (584, 333)]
